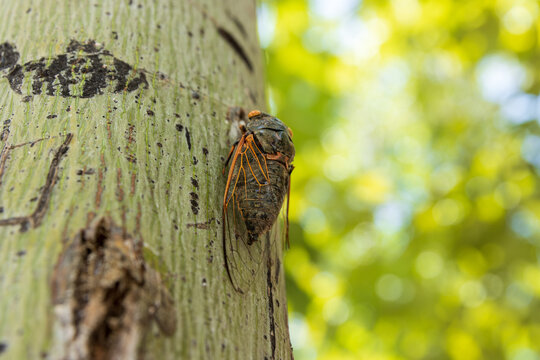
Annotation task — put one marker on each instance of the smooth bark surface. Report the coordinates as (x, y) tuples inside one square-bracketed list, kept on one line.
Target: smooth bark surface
[(113, 133)]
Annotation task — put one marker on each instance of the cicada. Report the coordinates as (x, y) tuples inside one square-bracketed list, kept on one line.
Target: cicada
[(258, 180)]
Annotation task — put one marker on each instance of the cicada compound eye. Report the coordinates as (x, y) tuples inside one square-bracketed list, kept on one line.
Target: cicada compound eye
[(253, 113), (290, 132)]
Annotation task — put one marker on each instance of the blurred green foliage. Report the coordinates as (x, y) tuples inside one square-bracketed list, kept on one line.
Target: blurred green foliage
[(415, 203)]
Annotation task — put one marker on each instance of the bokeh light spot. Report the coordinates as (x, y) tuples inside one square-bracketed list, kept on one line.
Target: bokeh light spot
[(520, 108), (530, 150), (324, 285), (461, 346), (499, 77), (406, 12), (472, 293), (508, 194), (336, 311), (518, 19), (372, 187), (333, 10), (266, 23), (525, 354), (447, 212), (518, 296), (313, 220), (429, 264), (494, 285), (389, 287), (391, 217)]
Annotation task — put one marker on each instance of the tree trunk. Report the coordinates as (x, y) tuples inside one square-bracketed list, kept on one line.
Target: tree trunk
[(114, 128)]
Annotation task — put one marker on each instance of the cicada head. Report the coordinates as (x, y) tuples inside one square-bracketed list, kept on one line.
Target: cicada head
[(273, 135)]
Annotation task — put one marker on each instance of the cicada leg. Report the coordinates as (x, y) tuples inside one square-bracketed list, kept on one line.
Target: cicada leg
[(291, 168), (229, 157)]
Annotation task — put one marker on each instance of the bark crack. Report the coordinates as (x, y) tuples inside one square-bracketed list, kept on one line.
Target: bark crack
[(227, 35), (34, 220), (235, 45), (270, 289), (201, 225)]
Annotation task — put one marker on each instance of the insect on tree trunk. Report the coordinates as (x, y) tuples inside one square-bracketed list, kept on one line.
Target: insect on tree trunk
[(114, 127)]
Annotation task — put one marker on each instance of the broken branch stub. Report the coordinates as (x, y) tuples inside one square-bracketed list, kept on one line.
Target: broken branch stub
[(105, 296)]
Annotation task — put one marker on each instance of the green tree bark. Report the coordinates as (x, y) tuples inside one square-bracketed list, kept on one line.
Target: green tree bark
[(113, 134)]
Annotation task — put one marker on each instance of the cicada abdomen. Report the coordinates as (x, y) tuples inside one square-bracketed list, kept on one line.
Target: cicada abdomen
[(257, 183)]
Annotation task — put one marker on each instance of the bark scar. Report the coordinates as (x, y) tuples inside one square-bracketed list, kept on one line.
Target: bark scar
[(34, 220), (106, 297)]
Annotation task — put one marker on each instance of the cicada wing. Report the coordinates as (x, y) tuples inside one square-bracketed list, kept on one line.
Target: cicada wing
[(248, 164), (283, 228), (243, 258), (255, 163), (243, 261)]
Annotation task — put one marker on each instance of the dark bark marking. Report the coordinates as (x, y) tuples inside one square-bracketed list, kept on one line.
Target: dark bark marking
[(3, 158), (194, 182), (106, 297), (119, 190), (188, 139), (5, 130), (85, 65), (278, 269), (31, 143), (34, 220), (235, 45), (100, 181), (138, 218), (130, 155), (133, 181), (86, 171), (194, 202), (238, 24), (204, 225), (3, 347), (89, 47), (52, 178), (8, 56)]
